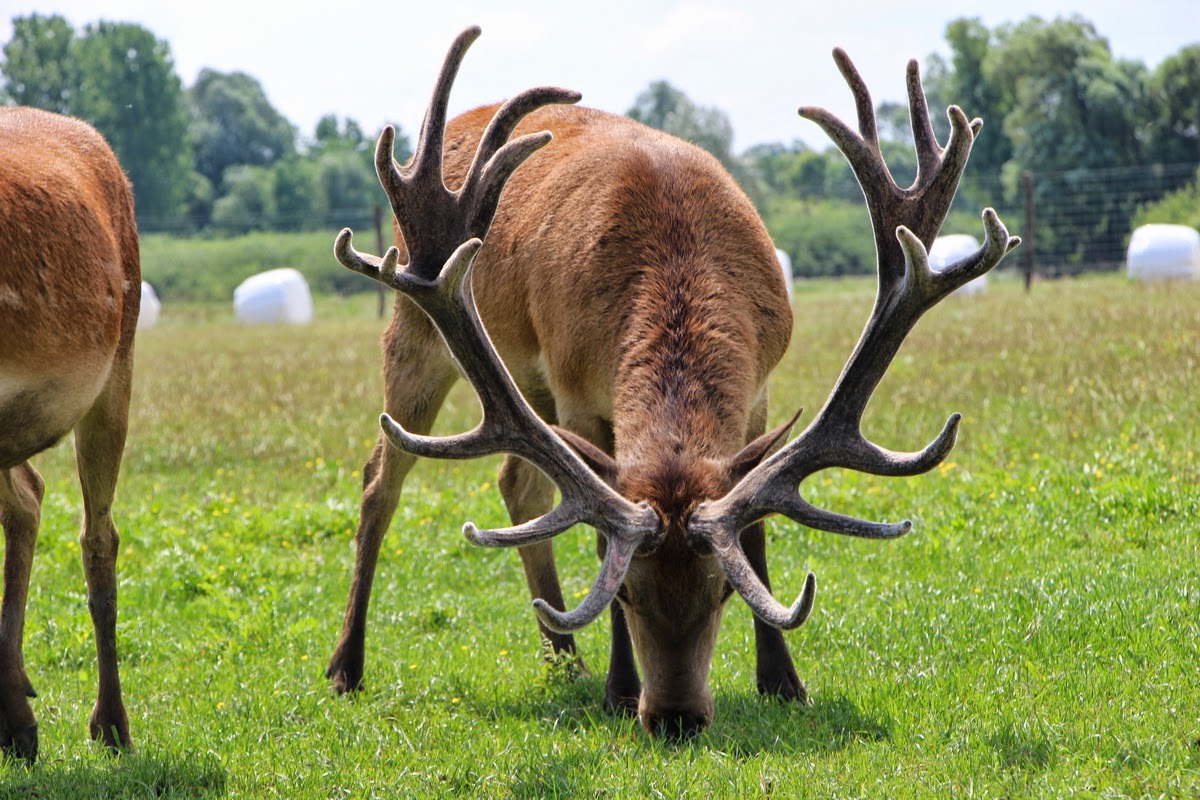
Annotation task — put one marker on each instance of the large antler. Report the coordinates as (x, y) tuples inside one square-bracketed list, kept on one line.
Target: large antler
[(905, 222), (443, 231)]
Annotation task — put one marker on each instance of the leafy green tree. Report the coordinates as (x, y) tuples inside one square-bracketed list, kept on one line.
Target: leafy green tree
[(1173, 103), (1071, 103), (247, 202), (346, 188), (129, 90), (967, 83), (1072, 110), (38, 67), (330, 134), (232, 122), (664, 107), (822, 237), (295, 190), (198, 204)]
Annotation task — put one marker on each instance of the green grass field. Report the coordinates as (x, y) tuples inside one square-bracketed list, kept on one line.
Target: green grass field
[(1036, 635)]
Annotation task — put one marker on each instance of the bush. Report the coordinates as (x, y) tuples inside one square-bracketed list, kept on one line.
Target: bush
[(832, 238), (822, 237), (1181, 207)]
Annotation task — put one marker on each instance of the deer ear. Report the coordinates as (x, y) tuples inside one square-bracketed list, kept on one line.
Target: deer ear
[(754, 453), (597, 460)]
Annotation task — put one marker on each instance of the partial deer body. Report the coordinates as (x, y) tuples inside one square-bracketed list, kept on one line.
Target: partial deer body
[(628, 295), (70, 286)]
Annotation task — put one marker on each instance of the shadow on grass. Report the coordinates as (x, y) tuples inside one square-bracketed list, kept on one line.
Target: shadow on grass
[(1021, 750), (745, 724), (133, 775)]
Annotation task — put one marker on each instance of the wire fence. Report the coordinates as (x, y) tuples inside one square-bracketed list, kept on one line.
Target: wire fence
[(1071, 222), (1077, 220)]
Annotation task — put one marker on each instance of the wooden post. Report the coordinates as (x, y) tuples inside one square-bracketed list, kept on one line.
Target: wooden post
[(1027, 234), (379, 249)]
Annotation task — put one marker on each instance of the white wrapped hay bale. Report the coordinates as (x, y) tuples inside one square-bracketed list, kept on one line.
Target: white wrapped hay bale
[(954, 247), (785, 265), (1159, 251), (277, 295), (150, 308)]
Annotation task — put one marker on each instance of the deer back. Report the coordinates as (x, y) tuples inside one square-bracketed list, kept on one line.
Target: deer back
[(620, 255)]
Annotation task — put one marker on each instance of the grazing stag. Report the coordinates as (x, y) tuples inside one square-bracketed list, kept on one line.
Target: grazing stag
[(630, 308), (70, 290)]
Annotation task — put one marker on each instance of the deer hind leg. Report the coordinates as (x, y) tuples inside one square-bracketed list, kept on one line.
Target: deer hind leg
[(99, 446), (21, 490), (418, 373)]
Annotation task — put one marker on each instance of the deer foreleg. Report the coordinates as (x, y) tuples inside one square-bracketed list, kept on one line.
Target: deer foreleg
[(775, 673), (528, 494), (418, 375)]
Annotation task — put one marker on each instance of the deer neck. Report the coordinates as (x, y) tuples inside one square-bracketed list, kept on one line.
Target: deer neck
[(685, 385)]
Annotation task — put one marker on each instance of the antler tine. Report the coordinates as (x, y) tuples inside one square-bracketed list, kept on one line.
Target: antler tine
[(433, 219), (497, 158), (924, 138), (764, 605), (904, 220), (862, 97), (617, 557), (427, 157), (443, 233), (513, 111)]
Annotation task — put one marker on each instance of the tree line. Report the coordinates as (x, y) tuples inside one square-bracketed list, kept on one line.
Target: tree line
[(211, 158), (216, 159)]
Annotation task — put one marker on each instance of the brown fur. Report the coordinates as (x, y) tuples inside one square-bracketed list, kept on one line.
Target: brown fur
[(70, 289), (635, 296)]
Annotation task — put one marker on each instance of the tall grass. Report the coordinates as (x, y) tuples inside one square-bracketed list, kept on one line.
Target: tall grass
[(1036, 635)]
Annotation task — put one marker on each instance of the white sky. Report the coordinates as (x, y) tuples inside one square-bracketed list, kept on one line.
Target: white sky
[(756, 60)]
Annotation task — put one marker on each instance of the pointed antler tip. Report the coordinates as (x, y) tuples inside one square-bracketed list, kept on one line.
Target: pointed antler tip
[(551, 617), (468, 35), (801, 609)]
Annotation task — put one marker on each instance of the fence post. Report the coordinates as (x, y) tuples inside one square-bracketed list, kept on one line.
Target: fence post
[(379, 249), (1027, 234)]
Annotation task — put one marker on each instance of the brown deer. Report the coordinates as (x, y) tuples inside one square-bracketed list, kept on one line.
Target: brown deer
[(630, 309), (70, 291)]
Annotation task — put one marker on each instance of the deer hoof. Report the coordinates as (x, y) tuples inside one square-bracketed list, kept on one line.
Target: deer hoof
[(23, 745), (784, 686)]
